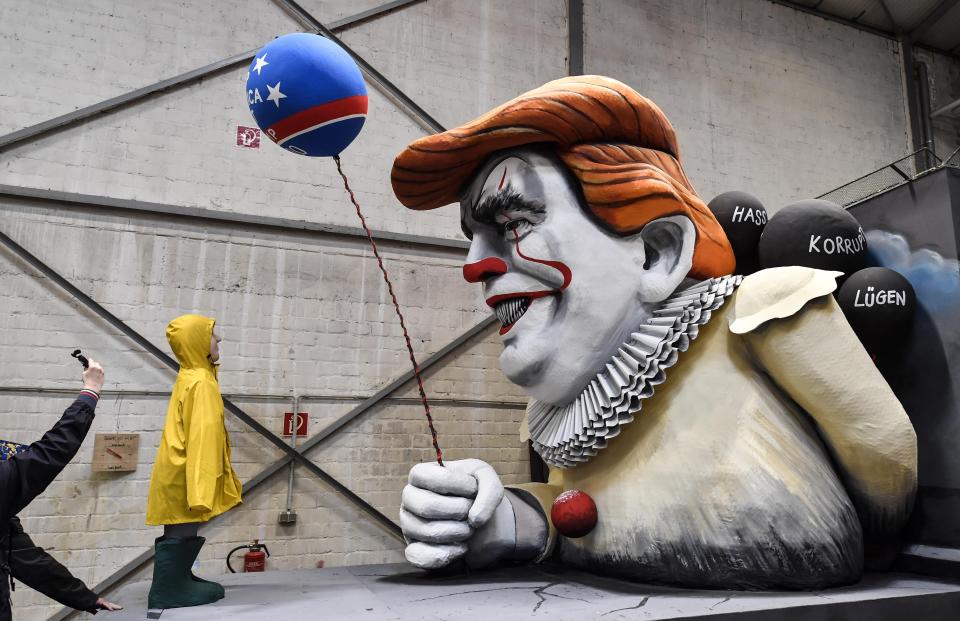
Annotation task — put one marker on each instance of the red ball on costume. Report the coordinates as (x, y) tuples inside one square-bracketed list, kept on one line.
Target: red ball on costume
[(574, 514)]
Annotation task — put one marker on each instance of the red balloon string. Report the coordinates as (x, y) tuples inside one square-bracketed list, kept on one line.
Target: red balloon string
[(396, 306)]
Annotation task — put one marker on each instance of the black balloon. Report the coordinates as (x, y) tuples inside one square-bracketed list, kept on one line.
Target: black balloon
[(879, 304), (742, 217), (814, 233)]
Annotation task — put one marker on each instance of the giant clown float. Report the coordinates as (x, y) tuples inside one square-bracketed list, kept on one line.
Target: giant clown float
[(705, 424), (720, 430)]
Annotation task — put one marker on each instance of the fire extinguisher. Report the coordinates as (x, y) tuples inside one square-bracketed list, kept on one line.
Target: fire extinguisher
[(254, 559)]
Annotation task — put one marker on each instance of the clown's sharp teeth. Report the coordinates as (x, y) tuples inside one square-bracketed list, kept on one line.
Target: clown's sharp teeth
[(510, 311)]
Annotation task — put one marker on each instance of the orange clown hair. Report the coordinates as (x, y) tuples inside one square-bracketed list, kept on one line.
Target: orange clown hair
[(618, 144)]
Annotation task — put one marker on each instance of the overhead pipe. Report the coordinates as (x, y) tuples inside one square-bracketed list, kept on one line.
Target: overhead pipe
[(923, 111), (289, 516)]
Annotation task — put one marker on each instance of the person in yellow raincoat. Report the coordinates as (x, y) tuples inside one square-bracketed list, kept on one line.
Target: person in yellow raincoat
[(192, 479)]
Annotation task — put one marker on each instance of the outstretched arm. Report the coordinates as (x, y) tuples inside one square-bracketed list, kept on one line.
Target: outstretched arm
[(816, 358), (33, 566), (25, 475)]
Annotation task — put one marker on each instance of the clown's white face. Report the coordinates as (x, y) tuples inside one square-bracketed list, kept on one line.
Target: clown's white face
[(567, 292)]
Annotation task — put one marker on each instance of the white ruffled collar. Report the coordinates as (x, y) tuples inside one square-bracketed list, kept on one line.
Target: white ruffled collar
[(567, 435)]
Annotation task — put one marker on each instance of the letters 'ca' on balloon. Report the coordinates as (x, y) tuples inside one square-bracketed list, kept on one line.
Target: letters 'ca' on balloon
[(307, 94), (814, 233), (879, 304), (743, 218)]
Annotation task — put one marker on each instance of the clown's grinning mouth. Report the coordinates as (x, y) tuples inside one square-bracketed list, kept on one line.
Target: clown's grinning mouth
[(511, 310)]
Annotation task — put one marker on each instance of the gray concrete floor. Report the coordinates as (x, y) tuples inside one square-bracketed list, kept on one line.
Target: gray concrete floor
[(399, 593)]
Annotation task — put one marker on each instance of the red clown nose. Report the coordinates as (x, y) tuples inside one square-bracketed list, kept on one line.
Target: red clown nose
[(483, 269), (574, 514)]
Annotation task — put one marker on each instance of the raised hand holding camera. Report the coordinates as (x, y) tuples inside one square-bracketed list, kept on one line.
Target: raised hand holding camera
[(93, 376)]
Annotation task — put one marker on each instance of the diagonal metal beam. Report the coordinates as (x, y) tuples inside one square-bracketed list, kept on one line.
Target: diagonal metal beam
[(375, 76), (934, 16), (894, 26), (803, 8), (231, 407), (170, 84), (947, 109), (114, 103), (377, 11)]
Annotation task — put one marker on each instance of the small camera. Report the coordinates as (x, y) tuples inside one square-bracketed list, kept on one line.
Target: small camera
[(81, 358)]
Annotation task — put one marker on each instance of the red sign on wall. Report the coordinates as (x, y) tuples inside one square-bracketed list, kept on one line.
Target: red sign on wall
[(248, 137), (301, 423)]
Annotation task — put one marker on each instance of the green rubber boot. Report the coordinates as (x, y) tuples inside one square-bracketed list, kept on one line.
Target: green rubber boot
[(194, 544), (172, 585)]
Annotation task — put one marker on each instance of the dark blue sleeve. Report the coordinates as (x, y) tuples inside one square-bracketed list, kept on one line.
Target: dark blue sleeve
[(27, 474), (33, 566)]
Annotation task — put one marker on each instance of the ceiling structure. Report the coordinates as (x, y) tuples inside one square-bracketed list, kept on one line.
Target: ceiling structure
[(930, 24), (927, 24)]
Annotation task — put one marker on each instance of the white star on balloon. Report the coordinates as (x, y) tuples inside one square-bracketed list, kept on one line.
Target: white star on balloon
[(261, 63), (275, 95)]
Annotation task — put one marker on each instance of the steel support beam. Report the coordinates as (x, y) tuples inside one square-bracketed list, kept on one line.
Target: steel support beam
[(228, 405), (184, 79), (916, 109), (377, 11), (375, 76), (893, 34), (894, 26), (910, 79), (947, 109), (834, 18), (575, 35), (918, 84), (70, 119), (931, 18), (71, 201), (923, 111), (947, 161)]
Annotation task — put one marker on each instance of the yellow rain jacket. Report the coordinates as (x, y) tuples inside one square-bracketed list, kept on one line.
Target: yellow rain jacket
[(192, 479)]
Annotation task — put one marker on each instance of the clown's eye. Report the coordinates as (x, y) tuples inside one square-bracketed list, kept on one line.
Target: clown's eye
[(518, 226)]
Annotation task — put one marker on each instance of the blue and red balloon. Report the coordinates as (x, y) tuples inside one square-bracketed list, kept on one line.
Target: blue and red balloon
[(307, 94)]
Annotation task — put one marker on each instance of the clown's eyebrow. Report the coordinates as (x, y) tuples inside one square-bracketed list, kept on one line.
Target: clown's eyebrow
[(488, 207)]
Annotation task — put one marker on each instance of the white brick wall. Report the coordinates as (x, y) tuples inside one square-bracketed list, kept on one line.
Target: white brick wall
[(764, 98)]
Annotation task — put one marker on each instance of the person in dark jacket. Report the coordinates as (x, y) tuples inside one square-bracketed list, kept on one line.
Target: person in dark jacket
[(34, 567), (27, 473)]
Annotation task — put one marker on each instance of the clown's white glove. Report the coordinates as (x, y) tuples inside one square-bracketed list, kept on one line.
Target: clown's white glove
[(447, 511)]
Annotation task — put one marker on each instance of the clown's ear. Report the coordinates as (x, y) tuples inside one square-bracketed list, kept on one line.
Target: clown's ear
[(668, 255)]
